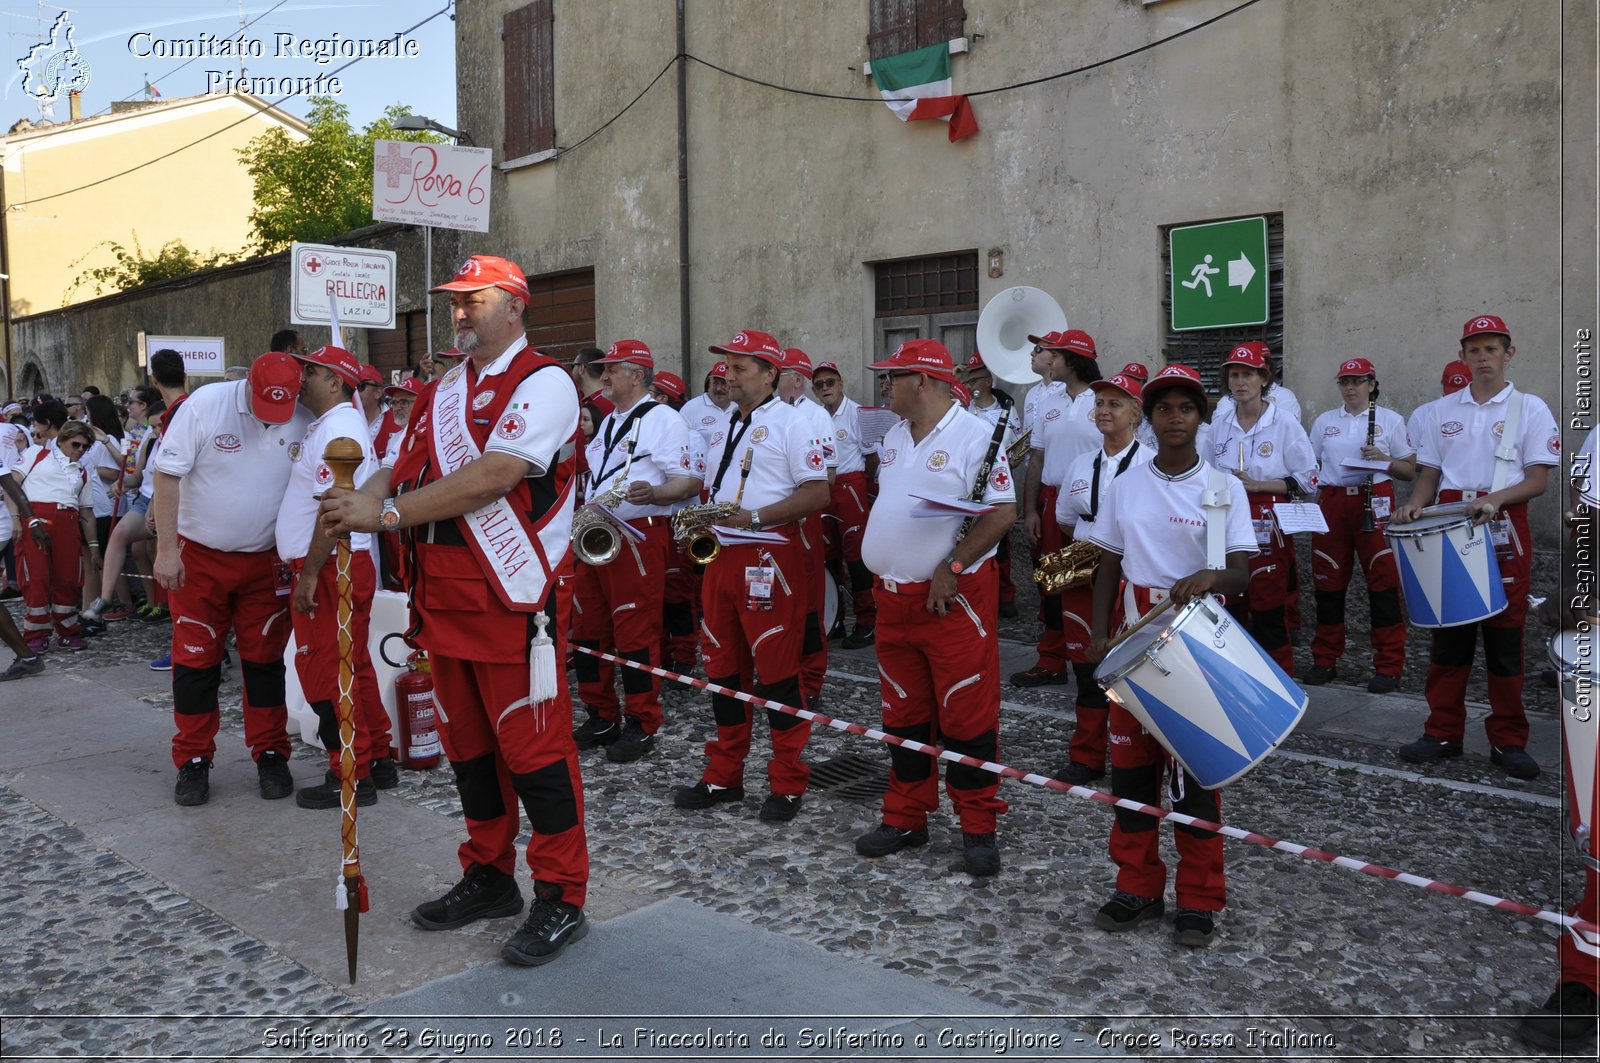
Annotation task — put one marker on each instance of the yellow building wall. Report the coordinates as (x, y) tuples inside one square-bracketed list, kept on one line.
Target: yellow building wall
[(201, 194)]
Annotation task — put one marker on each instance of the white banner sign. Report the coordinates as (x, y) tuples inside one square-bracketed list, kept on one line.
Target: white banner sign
[(202, 355), (361, 280), (442, 185)]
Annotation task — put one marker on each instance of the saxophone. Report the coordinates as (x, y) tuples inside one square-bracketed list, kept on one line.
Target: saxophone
[(692, 524), (1071, 566), (595, 537), (1019, 448)]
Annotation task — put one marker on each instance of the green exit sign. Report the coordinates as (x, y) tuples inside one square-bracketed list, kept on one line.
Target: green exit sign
[(1219, 274)]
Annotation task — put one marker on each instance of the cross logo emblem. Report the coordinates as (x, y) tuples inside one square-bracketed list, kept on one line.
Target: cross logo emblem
[(393, 165), (313, 265)]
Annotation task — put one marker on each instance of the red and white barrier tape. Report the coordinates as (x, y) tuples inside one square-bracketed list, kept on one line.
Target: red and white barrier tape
[(1057, 785)]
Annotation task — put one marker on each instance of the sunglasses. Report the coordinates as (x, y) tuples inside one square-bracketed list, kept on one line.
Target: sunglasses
[(75, 444)]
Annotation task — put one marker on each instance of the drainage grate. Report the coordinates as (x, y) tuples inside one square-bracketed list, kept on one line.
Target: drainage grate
[(852, 777)]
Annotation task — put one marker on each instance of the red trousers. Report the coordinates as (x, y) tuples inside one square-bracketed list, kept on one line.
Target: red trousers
[(1263, 609), (52, 580), (1090, 704), (844, 523), (1333, 555), (1450, 662), (316, 661), (814, 638), (940, 684), (617, 609), (249, 593), (1581, 963), (1052, 640), (757, 651), (1137, 764), (680, 608)]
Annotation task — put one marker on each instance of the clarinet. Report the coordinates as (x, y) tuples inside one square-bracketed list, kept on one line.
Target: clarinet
[(1366, 484), (983, 474)]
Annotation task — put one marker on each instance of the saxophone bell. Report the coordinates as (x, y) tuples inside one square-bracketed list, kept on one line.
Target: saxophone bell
[(595, 540), (703, 546), (1070, 567)]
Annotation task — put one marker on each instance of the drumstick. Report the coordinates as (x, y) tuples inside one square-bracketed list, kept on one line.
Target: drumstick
[(1166, 603)]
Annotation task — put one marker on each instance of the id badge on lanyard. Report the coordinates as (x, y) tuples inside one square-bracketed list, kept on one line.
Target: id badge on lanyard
[(758, 582), (1381, 507), (1500, 531), (282, 578)]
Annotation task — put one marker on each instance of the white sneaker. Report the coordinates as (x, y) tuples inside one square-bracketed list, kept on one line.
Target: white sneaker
[(96, 607)]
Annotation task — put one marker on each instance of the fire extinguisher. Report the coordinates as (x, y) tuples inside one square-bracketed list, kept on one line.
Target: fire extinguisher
[(419, 731)]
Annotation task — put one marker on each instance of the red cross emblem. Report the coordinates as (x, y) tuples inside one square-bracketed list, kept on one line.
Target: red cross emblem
[(313, 265), (393, 165)]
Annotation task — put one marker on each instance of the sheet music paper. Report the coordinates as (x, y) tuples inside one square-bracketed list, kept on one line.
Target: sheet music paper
[(936, 506), (735, 536), (1366, 464), (1296, 517)]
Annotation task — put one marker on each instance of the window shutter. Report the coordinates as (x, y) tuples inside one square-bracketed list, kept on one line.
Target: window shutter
[(939, 21), (892, 27), (530, 87)]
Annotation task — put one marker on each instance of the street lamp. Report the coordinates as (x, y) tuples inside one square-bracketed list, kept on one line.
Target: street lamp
[(416, 123)]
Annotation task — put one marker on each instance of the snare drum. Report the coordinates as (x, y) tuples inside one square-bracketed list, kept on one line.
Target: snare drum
[(1577, 658), (830, 602), (1207, 692), (1449, 573)]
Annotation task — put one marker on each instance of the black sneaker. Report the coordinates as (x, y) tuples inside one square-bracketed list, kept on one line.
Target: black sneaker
[(980, 854), (886, 839), (1515, 762), (837, 631), (596, 732), (632, 744), (194, 783), (704, 795), (272, 773), (23, 667), (385, 773), (860, 638), (551, 926), (780, 808), (483, 893), (1318, 674), (1075, 774), (1428, 748), (1127, 910), (1383, 684), (1193, 928), (1040, 676), (1566, 1023), (328, 795)]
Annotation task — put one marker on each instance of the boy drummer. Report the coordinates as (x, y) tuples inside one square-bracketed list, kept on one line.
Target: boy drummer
[(1150, 531), (1460, 459)]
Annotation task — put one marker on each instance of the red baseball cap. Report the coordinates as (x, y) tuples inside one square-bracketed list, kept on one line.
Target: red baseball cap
[(630, 352), (1457, 375), (928, 357), (827, 367), (449, 352), (1129, 386), (1356, 367), (959, 392), (753, 343), (976, 364), (408, 386), (1254, 353), (486, 271), (798, 360), (1073, 341), (719, 371), (274, 383), (1136, 370), (1173, 376), (1485, 323), (341, 361), (368, 374), (672, 384)]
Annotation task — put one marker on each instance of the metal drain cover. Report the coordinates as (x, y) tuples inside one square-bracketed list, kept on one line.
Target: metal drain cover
[(852, 777)]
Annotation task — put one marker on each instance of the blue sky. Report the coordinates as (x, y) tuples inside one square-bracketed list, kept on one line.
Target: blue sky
[(110, 36)]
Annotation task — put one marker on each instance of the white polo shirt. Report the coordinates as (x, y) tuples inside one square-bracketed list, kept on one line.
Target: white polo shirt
[(820, 428), (106, 455), (901, 547), (234, 467), (702, 415), (697, 463), (309, 476), (47, 476), (546, 409), (1279, 396), (1032, 400), (1338, 437), (1075, 500), (992, 412), (1158, 524), (848, 449), (1066, 429), (1461, 440), (786, 454), (662, 452), (1274, 447)]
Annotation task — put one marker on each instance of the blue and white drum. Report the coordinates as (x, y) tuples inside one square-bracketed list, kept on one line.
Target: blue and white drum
[(1449, 573), (1206, 690), (1576, 657)]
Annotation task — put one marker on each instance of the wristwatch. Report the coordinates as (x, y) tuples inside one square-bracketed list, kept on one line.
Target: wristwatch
[(389, 519), (755, 520), (955, 567)]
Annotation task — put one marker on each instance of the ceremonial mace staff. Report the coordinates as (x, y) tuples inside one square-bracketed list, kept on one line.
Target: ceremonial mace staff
[(343, 457)]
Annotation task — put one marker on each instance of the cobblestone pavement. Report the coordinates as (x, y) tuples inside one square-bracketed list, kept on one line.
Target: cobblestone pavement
[(1375, 967)]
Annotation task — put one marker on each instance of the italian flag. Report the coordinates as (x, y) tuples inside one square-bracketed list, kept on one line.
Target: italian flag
[(916, 85)]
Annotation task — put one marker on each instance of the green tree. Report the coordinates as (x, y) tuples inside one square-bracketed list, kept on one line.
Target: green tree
[(134, 269), (315, 189)]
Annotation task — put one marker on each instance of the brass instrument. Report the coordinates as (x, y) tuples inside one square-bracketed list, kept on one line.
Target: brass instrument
[(595, 537), (1072, 566), (692, 524), (1019, 448)]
